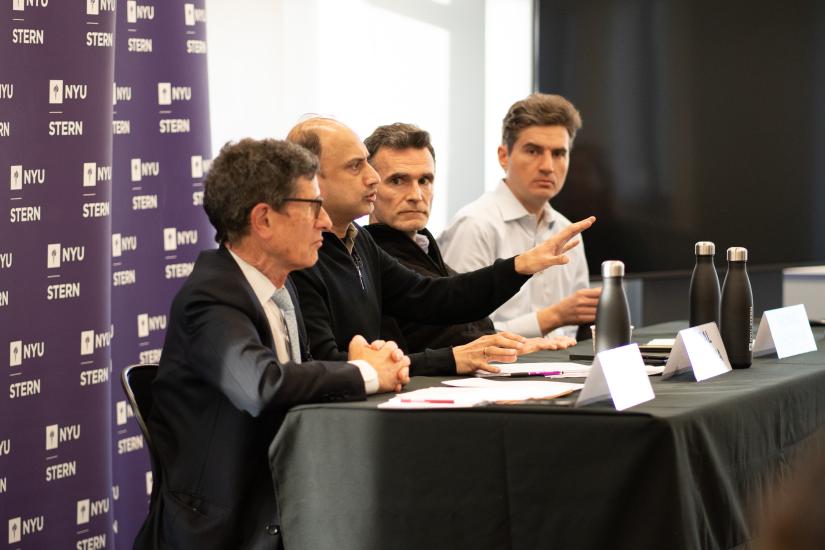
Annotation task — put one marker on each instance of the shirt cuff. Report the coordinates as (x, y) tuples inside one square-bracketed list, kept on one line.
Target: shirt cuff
[(526, 325), (369, 375)]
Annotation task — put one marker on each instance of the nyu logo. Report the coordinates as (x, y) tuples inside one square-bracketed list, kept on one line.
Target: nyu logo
[(172, 238), (91, 340), (92, 173), (144, 169), (19, 527), (25, 176), (19, 351), (123, 412), (58, 254), (94, 7), (5, 447), (192, 15), (150, 323), (123, 243), (87, 509), (6, 90), (135, 11), (55, 435), (20, 5), (6, 259), (168, 93), (59, 91), (121, 93), (200, 166)]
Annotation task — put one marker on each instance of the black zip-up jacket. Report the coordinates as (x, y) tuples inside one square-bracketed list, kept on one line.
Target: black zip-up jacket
[(343, 295)]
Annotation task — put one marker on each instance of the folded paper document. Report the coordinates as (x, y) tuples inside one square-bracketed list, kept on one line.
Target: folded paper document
[(479, 394)]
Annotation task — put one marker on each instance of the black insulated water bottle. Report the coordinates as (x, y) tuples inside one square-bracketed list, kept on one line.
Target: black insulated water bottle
[(612, 312), (704, 287), (737, 310)]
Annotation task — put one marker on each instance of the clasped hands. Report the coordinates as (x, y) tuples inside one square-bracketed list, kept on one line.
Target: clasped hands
[(388, 360)]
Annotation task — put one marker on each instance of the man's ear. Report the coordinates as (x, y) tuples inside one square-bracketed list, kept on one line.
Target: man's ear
[(503, 157), (259, 220)]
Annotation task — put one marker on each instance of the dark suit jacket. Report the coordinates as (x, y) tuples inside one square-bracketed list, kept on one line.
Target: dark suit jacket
[(219, 398), (420, 336)]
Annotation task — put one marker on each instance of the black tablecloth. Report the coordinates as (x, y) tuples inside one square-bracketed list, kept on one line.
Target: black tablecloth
[(684, 471)]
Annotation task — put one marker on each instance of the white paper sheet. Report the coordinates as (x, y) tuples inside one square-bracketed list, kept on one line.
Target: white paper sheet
[(561, 370), (489, 392), (662, 342), (567, 370)]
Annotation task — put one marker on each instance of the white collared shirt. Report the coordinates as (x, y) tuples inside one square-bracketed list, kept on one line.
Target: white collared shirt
[(264, 289), (496, 225)]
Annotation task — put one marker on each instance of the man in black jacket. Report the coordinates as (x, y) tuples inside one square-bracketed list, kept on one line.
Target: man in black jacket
[(404, 158), (355, 282), (235, 356)]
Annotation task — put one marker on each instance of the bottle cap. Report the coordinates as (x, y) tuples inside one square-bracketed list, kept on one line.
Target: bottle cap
[(612, 268), (705, 248), (737, 254)]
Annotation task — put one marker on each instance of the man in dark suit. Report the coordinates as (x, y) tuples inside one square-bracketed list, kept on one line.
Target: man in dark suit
[(236, 355)]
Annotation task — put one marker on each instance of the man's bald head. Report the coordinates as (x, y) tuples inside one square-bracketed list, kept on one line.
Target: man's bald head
[(346, 179), (309, 133)]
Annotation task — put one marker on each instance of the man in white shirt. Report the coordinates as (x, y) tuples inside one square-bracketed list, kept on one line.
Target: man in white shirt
[(236, 355), (537, 135)]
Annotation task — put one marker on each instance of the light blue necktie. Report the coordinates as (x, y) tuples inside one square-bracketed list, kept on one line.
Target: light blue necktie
[(284, 302)]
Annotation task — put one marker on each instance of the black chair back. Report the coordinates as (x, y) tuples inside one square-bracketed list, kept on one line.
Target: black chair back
[(137, 384)]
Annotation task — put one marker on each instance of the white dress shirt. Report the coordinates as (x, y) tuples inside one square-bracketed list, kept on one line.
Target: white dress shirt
[(264, 289), (496, 225)]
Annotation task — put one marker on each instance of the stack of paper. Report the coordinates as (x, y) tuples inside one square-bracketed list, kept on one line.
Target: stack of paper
[(554, 370), (473, 392), (551, 370)]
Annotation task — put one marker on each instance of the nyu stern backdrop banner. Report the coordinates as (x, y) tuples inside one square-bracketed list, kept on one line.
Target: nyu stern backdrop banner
[(94, 242), (56, 69), (161, 146)]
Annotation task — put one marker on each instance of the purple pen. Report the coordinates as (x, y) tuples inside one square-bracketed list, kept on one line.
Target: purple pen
[(539, 373)]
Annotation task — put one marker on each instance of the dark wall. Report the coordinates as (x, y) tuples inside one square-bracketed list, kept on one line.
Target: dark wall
[(703, 120)]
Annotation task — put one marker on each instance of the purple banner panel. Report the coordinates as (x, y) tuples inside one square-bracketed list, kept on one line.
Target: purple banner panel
[(56, 69), (161, 151)]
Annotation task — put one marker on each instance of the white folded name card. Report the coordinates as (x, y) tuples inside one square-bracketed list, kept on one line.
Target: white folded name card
[(785, 331), (698, 348), (618, 374)]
